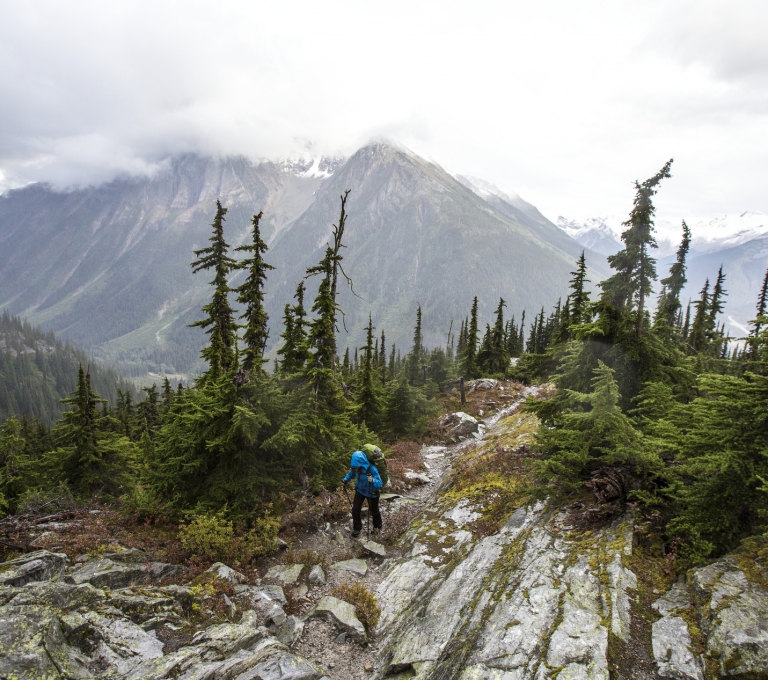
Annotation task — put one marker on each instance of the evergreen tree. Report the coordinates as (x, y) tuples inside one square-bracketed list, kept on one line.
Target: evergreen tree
[(592, 431), (669, 300), (468, 357), (415, 373), (762, 308), (629, 287), (697, 338), (251, 295), (294, 350), (579, 294), (89, 456), (219, 321), (367, 400), (317, 434)]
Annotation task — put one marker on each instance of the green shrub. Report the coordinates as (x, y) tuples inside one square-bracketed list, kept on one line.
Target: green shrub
[(214, 537), (365, 602), (208, 535)]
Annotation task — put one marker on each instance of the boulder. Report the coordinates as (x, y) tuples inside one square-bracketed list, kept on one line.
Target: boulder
[(375, 548), (417, 477), (291, 630), (481, 385), (274, 593), (317, 576), (341, 614), (458, 424), (33, 646), (59, 595), (285, 573), (35, 566), (356, 566), (225, 573), (121, 571)]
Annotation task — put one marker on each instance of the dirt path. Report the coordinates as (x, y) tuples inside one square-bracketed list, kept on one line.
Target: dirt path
[(320, 641)]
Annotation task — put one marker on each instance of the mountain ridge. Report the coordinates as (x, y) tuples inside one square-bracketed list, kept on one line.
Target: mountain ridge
[(108, 267)]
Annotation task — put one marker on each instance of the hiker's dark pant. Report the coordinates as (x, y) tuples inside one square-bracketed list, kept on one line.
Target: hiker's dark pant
[(373, 509)]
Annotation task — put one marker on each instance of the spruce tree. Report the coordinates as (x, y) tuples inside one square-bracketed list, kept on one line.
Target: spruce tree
[(219, 321), (669, 300), (629, 287), (89, 456), (762, 308), (697, 337), (317, 435), (251, 296), (468, 359), (417, 350), (579, 297), (367, 400)]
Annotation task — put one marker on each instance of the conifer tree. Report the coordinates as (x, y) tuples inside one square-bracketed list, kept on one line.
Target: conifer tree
[(367, 401), (579, 296), (168, 396), (629, 287), (762, 308), (219, 321), (697, 337), (317, 434), (383, 359), (251, 295), (89, 456), (415, 357), (468, 358), (715, 308), (148, 412), (669, 300)]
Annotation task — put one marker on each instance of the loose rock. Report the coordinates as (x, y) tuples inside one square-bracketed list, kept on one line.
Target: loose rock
[(356, 566), (341, 614), (317, 576), (285, 573)]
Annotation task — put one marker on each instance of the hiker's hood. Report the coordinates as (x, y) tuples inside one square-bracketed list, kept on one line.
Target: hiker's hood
[(359, 460)]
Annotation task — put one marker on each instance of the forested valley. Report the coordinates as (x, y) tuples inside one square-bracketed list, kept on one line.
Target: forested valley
[(654, 405)]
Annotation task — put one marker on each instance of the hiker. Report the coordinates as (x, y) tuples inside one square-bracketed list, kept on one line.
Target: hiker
[(367, 487)]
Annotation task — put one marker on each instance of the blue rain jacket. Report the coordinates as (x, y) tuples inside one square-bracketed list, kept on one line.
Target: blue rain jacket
[(361, 468)]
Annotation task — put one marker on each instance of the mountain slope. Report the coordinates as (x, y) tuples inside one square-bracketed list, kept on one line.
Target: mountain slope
[(108, 267), (416, 235), (37, 371)]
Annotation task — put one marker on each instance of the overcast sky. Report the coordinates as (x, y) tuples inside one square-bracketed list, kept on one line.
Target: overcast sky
[(565, 103)]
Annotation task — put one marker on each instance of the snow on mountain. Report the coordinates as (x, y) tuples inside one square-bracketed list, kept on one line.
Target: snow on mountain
[(595, 233), (708, 234), (717, 233), (316, 167)]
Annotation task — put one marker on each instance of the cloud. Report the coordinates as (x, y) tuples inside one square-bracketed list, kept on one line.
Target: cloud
[(564, 103)]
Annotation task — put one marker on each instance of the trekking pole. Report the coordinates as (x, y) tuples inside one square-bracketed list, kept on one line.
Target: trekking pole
[(368, 522), (346, 491)]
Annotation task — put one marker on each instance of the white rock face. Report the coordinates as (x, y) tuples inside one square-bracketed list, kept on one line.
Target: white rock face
[(670, 637), (527, 602), (734, 615)]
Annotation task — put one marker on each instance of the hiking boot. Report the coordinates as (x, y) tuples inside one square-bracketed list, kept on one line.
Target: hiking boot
[(355, 533)]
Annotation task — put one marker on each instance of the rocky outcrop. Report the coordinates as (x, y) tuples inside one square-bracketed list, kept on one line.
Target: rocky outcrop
[(55, 624), (732, 608), (529, 601), (458, 424)]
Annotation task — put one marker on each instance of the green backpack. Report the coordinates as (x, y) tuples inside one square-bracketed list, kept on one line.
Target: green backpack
[(376, 457)]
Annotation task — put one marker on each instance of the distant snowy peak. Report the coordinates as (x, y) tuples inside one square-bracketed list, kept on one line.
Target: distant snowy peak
[(321, 166), (603, 234), (718, 233), (594, 233), (485, 189)]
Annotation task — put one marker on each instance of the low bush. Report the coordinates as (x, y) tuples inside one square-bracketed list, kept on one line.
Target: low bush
[(365, 602)]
